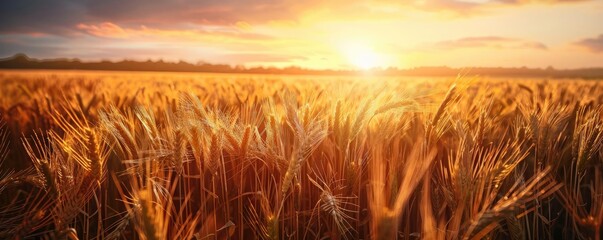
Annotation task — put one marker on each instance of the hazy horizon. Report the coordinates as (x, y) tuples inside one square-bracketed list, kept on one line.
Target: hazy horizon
[(242, 66)]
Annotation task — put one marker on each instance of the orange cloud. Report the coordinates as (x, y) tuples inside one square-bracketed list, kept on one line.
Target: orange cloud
[(592, 44), (490, 42), (396, 8), (105, 29), (229, 33)]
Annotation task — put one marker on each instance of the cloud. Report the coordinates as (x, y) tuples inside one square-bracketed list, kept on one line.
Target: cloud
[(468, 8), (494, 42), (540, 1), (216, 33), (62, 16), (592, 44), (40, 16), (191, 11), (106, 29)]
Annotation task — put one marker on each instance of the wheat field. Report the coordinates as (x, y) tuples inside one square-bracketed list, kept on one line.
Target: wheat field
[(110, 155)]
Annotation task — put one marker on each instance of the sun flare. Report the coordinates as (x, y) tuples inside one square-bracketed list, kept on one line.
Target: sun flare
[(362, 56)]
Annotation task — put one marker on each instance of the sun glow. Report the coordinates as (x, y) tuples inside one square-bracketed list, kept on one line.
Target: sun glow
[(362, 56)]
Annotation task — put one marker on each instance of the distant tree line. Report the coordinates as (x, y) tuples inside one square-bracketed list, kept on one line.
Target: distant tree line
[(22, 61)]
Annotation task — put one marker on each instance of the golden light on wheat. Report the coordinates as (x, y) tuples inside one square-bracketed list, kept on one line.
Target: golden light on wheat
[(230, 157)]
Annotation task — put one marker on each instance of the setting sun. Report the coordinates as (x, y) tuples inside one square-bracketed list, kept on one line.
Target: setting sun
[(362, 56)]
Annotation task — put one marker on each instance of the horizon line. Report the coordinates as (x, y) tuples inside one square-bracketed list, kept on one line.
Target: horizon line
[(267, 67)]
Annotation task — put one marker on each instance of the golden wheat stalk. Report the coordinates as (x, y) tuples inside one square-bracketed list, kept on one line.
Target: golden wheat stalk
[(450, 95), (307, 143)]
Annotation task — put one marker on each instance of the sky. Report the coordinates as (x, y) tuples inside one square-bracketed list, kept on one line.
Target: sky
[(331, 34)]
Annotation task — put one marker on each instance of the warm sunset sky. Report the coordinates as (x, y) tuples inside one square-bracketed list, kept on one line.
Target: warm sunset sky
[(338, 34)]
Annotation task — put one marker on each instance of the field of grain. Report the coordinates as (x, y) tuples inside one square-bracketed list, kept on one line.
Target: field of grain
[(110, 155)]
